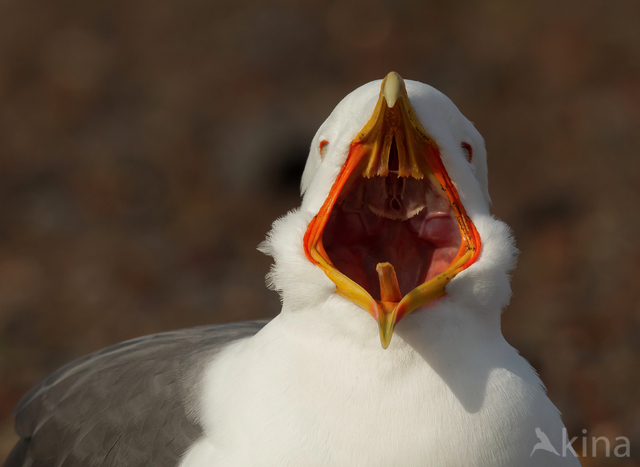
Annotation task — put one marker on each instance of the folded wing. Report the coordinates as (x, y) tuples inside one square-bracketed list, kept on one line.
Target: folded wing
[(128, 405)]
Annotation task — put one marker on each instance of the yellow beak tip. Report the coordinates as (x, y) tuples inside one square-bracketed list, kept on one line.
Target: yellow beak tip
[(392, 88), (386, 331)]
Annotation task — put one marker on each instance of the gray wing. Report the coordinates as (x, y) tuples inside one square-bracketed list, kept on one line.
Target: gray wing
[(128, 405)]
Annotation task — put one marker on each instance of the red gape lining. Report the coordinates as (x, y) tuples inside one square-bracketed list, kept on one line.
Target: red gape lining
[(405, 221)]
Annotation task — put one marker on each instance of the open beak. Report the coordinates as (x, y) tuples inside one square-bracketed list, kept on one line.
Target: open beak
[(392, 233)]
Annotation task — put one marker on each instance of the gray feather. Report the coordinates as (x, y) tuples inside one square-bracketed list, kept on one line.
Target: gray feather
[(132, 404)]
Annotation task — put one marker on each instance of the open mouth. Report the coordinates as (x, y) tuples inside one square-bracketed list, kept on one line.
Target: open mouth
[(392, 233), (404, 221)]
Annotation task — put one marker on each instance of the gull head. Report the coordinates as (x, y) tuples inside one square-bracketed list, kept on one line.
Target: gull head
[(395, 212)]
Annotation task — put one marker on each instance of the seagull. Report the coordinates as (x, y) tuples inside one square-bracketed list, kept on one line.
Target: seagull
[(388, 350)]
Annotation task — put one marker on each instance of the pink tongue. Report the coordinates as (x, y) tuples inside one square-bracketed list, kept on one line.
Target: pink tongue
[(442, 231), (439, 229)]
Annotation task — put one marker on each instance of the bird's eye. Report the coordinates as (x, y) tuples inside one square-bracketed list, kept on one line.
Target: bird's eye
[(323, 148), (467, 150)]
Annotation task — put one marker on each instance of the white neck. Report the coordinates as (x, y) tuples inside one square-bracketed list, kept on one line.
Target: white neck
[(330, 395), (316, 385)]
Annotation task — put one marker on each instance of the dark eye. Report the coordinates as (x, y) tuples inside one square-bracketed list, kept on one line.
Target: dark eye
[(323, 148), (467, 150)]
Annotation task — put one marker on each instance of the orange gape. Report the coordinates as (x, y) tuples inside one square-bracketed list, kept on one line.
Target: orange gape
[(393, 146)]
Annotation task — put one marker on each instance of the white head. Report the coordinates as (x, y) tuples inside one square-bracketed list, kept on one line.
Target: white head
[(395, 212)]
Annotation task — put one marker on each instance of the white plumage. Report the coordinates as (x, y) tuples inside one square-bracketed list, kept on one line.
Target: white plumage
[(315, 388)]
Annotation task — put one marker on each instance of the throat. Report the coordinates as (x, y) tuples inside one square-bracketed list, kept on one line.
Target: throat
[(385, 241), (398, 220)]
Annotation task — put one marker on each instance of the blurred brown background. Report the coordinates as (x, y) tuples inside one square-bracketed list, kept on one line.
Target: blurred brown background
[(146, 146)]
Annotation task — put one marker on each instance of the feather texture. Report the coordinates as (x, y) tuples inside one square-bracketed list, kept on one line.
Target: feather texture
[(128, 405)]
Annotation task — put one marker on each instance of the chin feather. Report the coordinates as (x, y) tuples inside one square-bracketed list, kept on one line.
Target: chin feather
[(299, 283), (486, 284)]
